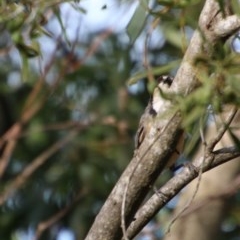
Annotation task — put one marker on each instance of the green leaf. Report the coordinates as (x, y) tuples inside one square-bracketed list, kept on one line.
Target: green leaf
[(155, 71), (174, 36), (137, 21), (196, 113), (30, 50), (194, 138), (177, 4), (235, 6), (25, 68)]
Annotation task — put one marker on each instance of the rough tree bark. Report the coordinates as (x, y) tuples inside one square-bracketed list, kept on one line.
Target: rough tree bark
[(149, 161)]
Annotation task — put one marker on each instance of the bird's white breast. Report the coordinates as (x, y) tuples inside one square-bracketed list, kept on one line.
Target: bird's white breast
[(158, 103)]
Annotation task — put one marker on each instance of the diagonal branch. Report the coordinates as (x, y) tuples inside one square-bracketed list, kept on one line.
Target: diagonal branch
[(107, 223), (229, 191), (224, 127), (44, 225), (33, 166), (173, 187)]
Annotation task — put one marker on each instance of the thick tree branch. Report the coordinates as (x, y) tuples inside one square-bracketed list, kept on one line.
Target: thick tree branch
[(173, 187), (142, 172), (151, 159), (227, 26)]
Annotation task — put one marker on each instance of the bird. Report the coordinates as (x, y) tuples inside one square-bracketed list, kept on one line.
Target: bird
[(157, 103)]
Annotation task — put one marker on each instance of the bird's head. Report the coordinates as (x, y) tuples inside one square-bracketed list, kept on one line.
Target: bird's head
[(164, 81), (163, 84)]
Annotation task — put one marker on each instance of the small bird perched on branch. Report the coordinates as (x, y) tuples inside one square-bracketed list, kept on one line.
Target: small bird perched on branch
[(157, 103)]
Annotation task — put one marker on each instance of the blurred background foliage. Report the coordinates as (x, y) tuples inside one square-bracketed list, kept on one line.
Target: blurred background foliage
[(57, 84)]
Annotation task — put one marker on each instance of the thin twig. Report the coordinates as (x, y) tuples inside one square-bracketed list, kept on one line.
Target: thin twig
[(188, 203), (207, 151), (19, 181), (33, 104), (44, 225), (173, 187), (228, 192), (224, 127)]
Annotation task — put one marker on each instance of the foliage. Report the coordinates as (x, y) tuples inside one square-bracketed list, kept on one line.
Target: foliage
[(81, 88)]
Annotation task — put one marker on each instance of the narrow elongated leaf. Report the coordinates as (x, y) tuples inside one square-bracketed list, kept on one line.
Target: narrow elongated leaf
[(137, 22), (155, 71)]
